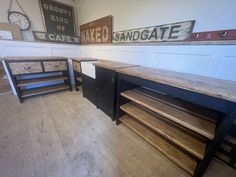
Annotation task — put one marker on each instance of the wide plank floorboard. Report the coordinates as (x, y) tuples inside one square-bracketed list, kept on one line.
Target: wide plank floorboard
[(64, 135)]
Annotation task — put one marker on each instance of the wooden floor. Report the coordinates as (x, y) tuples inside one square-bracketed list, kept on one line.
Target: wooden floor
[(64, 135)]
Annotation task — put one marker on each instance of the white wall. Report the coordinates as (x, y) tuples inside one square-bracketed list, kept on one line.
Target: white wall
[(218, 61), (129, 14), (209, 60), (31, 7)]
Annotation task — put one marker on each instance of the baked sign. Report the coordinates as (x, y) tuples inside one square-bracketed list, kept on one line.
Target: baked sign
[(171, 32), (97, 32)]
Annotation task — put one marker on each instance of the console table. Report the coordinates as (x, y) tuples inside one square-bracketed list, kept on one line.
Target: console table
[(34, 76), (184, 116)]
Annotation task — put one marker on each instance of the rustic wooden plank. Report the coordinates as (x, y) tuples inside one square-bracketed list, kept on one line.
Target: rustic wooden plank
[(200, 84), (170, 151), (55, 66), (180, 31), (43, 90), (25, 67), (52, 134), (214, 35), (180, 104), (190, 121), (113, 64), (26, 82), (174, 133), (97, 32), (84, 59), (35, 58)]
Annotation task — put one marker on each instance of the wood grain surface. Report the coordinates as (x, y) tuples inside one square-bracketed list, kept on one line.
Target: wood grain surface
[(25, 67), (174, 133), (113, 64), (204, 85), (35, 58), (55, 66), (26, 82), (185, 119), (170, 151), (43, 90), (97, 32), (180, 104), (64, 135), (84, 59)]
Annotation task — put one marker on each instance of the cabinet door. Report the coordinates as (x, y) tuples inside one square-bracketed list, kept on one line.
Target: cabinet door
[(25, 67), (55, 66), (105, 90)]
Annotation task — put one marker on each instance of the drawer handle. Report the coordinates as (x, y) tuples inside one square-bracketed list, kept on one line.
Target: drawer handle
[(56, 66)]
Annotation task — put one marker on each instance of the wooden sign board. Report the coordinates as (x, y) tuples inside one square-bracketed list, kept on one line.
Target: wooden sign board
[(13, 28), (171, 32), (214, 35), (58, 18), (53, 37), (97, 32)]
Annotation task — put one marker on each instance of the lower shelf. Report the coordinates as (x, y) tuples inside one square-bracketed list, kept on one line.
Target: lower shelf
[(181, 158), (44, 90), (41, 80)]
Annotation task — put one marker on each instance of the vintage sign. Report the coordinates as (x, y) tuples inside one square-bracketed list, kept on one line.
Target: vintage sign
[(97, 32), (58, 18), (53, 37), (171, 32), (214, 35)]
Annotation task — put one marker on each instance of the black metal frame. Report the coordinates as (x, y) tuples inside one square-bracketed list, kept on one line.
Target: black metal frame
[(77, 74), (14, 76), (226, 108)]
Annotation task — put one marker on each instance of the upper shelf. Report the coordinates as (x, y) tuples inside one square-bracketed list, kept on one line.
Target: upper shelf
[(200, 84), (35, 58)]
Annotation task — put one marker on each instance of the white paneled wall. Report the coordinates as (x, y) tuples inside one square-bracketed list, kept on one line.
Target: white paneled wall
[(217, 61)]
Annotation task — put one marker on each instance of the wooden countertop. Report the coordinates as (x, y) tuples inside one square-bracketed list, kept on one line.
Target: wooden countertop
[(113, 65), (35, 58), (218, 88), (84, 59)]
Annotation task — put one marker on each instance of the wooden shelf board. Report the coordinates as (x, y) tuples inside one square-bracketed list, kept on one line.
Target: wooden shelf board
[(180, 104), (169, 150), (43, 90), (40, 80), (185, 119), (167, 129)]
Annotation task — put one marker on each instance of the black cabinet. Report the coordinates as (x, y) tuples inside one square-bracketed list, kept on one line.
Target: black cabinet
[(106, 90)]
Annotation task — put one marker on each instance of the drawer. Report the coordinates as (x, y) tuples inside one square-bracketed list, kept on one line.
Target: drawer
[(77, 66), (25, 67), (55, 66)]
